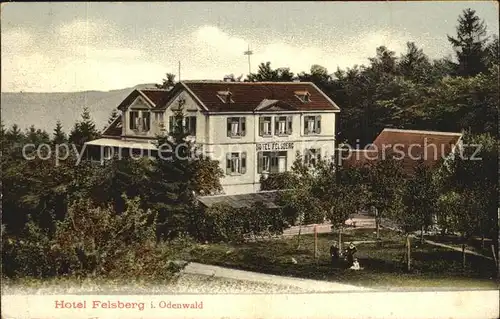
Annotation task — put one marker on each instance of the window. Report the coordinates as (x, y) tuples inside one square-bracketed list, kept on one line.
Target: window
[(283, 125), (225, 96), (271, 162), (265, 126), (146, 121), (190, 125), (236, 126), (174, 123), (159, 119), (133, 121), (312, 156), (304, 96), (236, 163), (312, 124), (140, 120)]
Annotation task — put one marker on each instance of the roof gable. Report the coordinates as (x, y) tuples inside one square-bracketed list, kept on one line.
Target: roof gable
[(151, 97), (139, 103)]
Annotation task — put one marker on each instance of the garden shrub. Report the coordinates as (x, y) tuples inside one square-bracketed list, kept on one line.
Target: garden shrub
[(93, 241)]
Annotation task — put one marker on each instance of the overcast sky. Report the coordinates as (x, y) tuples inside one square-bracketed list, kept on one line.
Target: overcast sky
[(60, 47)]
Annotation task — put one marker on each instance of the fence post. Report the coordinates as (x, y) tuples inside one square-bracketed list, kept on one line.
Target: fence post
[(315, 241)]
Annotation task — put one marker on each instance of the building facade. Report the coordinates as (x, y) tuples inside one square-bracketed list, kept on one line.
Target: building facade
[(251, 128)]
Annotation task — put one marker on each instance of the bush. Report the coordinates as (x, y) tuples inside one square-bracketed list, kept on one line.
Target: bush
[(93, 241), (227, 224), (277, 181)]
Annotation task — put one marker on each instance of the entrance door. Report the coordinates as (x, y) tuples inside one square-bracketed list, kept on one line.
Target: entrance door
[(282, 164)]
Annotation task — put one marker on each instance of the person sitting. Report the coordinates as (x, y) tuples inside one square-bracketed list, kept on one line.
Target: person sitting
[(355, 265)]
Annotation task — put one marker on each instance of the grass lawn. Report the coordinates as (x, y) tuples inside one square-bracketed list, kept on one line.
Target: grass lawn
[(433, 267)]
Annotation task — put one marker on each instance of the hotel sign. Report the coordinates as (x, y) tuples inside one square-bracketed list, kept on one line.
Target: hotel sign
[(277, 146)]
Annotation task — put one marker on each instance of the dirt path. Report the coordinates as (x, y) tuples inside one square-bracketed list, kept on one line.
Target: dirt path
[(307, 285), (470, 252)]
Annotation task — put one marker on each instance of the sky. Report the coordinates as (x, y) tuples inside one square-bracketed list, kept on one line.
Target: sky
[(66, 47)]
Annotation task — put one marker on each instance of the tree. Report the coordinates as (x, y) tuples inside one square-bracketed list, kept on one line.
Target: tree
[(385, 184), (94, 241), (84, 130), (469, 44), (112, 117), (36, 136), (298, 202), (178, 176), (59, 137), (385, 61), (340, 194), (168, 82), (266, 73), (414, 65), (491, 52), (420, 199), (470, 173)]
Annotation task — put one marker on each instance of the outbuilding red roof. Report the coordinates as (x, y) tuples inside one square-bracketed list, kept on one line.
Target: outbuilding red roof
[(409, 146)]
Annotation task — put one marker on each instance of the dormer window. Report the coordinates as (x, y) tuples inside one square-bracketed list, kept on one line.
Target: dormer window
[(225, 96), (304, 96)]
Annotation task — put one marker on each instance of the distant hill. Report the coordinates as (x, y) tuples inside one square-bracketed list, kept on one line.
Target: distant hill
[(44, 109)]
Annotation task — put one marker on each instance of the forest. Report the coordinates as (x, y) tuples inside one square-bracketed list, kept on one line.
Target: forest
[(127, 217)]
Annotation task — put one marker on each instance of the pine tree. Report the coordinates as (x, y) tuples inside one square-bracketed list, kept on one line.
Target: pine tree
[(385, 61), (36, 136), (176, 178), (14, 135), (114, 114), (59, 135), (84, 130), (470, 44), (414, 65)]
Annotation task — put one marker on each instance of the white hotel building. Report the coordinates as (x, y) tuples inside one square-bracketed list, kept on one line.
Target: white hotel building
[(251, 128)]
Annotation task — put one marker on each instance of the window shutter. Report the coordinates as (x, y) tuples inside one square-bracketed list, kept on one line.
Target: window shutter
[(228, 127), (131, 120), (170, 124), (228, 163), (260, 162), (261, 126), (243, 127), (193, 125), (289, 125), (305, 124), (243, 162), (318, 124)]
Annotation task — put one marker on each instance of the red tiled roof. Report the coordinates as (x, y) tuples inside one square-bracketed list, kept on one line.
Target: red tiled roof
[(411, 147), (114, 129), (248, 95), (155, 95)]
